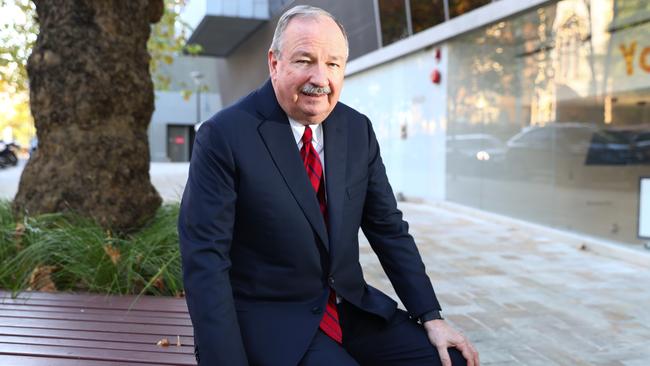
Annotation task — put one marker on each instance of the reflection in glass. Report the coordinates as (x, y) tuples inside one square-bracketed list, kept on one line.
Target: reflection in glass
[(630, 12), (566, 88), (475, 154), (459, 7), (426, 13), (392, 14)]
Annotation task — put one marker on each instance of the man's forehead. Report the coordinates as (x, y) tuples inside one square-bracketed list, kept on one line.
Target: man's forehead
[(305, 24), (302, 37), (314, 52)]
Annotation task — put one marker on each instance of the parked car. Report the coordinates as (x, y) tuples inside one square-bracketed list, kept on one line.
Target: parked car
[(474, 154), (569, 151), (641, 147)]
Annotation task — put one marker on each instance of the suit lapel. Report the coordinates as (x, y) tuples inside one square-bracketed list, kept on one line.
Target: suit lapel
[(278, 138), (336, 145)]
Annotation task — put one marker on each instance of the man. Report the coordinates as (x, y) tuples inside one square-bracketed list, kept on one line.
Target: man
[(279, 185)]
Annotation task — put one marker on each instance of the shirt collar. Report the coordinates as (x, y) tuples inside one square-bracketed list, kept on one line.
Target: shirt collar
[(298, 130)]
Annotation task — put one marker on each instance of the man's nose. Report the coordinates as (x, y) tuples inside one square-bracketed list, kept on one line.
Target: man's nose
[(319, 75)]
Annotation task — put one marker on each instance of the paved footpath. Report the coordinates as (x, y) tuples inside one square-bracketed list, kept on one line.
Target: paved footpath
[(524, 295)]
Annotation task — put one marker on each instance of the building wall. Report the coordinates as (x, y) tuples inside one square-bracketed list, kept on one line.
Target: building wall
[(247, 67), (173, 109), (546, 117), (408, 112), (180, 73)]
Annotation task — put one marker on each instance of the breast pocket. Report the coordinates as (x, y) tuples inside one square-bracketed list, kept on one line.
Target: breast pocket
[(357, 189)]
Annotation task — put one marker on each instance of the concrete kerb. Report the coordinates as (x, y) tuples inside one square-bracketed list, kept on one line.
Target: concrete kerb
[(639, 257)]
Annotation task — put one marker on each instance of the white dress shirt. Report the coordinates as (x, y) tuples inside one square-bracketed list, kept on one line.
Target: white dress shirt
[(317, 140)]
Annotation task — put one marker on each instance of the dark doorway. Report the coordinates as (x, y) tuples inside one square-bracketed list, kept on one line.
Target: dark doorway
[(180, 140)]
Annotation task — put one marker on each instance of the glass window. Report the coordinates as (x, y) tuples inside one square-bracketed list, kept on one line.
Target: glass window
[(392, 14), (629, 13), (459, 7), (426, 13), (566, 86)]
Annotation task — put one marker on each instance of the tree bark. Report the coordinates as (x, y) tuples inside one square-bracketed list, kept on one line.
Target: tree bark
[(91, 96)]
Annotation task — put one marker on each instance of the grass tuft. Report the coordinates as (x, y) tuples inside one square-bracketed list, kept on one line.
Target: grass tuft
[(64, 252)]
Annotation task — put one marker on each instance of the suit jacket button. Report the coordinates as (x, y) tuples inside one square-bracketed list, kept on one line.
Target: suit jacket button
[(330, 279), (317, 310)]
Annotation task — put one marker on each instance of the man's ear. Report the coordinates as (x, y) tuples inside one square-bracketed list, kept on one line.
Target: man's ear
[(273, 64)]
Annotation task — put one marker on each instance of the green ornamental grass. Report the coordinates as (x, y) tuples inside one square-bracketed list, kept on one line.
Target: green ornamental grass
[(65, 252)]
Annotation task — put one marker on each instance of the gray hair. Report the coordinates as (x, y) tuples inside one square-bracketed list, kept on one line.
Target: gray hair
[(301, 11)]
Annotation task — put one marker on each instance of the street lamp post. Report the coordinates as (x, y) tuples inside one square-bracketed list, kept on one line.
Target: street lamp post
[(197, 76)]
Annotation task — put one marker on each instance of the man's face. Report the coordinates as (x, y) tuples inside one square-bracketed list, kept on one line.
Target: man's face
[(308, 74)]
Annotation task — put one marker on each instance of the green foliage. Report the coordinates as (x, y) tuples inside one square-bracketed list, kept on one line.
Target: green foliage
[(70, 253), (17, 36), (18, 32), (168, 39)]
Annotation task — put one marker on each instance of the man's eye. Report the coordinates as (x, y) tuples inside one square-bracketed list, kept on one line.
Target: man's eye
[(331, 64), (302, 61)]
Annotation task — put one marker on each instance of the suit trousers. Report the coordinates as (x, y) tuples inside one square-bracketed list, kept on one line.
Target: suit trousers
[(371, 340)]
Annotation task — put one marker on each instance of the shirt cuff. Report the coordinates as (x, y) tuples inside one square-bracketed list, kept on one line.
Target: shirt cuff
[(430, 315)]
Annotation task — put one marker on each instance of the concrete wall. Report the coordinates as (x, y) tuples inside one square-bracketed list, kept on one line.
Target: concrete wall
[(246, 68), (172, 109), (183, 66), (409, 115)]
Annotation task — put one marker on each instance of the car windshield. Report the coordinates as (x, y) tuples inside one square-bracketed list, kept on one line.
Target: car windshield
[(472, 143), (612, 137)]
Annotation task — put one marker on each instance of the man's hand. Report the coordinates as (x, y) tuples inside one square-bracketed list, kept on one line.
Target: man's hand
[(442, 336)]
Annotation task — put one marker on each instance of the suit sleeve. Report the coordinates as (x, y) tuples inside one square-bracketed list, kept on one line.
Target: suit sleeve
[(205, 229), (388, 236)]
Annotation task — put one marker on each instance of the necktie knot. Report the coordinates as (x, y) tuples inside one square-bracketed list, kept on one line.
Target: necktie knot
[(307, 136)]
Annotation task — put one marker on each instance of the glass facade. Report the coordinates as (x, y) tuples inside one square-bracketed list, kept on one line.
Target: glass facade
[(426, 13), (459, 7), (399, 19), (392, 17), (549, 116), (408, 115)]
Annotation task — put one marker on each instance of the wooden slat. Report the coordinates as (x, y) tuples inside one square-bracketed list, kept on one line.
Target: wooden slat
[(77, 310), (56, 329), (11, 360), (99, 344), (92, 326), (96, 354), (99, 303), (102, 318), (62, 296), (93, 335)]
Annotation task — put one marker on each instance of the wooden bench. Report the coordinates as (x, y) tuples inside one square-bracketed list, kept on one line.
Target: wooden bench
[(38, 329)]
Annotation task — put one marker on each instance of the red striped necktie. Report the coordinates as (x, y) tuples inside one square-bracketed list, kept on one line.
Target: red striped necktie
[(329, 324)]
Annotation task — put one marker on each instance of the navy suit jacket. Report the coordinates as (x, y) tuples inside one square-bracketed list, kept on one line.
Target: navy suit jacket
[(259, 259)]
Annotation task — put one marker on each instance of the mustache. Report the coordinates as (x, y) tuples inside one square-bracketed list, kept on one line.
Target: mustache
[(312, 89)]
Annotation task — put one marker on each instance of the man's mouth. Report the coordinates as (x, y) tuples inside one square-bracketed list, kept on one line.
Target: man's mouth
[(313, 94), (315, 91)]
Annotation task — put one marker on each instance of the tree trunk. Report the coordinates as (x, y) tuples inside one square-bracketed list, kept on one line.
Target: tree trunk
[(91, 96)]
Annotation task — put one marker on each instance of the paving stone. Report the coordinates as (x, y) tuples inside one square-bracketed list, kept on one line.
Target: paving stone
[(525, 298)]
